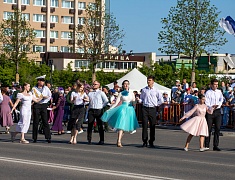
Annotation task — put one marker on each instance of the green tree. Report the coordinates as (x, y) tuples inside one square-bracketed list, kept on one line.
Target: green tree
[(98, 33), (191, 28), (17, 38)]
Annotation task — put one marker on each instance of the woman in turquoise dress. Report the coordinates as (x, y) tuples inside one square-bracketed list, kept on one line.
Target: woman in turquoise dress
[(123, 117)]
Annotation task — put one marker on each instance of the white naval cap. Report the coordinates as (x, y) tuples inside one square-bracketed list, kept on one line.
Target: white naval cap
[(41, 77)]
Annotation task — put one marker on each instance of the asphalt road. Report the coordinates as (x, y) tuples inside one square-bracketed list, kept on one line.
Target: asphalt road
[(60, 160)]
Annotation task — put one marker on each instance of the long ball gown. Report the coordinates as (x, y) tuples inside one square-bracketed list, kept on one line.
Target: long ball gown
[(59, 114), (122, 117), (25, 113)]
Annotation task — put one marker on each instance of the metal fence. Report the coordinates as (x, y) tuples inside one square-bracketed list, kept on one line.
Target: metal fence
[(171, 114)]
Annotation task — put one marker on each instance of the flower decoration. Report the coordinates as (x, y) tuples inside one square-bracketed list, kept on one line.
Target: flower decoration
[(125, 93)]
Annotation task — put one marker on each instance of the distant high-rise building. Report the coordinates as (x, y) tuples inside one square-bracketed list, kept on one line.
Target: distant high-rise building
[(54, 21)]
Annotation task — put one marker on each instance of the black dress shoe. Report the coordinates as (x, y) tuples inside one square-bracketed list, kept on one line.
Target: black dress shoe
[(151, 145), (35, 140), (100, 142), (49, 140), (215, 148), (89, 142), (144, 144)]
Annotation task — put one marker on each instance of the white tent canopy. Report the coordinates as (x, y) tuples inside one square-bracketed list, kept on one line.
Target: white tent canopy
[(138, 81)]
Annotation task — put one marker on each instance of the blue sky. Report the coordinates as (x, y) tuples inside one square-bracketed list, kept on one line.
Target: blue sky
[(140, 20)]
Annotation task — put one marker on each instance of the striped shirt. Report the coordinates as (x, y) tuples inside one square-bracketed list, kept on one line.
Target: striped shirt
[(214, 97)]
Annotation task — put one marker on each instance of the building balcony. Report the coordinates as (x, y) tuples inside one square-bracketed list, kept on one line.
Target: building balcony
[(71, 11), (79, 26), (98, 13), (79, 42), (23, 7), (52, 25), (71, 42), (71, 26), (52, 9), (43, 25), (14, 6), (43, 40), (80, 12), (43, 9), (52, 40)]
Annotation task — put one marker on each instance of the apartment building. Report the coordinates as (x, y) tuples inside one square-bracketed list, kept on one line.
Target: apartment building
[(53, 21)]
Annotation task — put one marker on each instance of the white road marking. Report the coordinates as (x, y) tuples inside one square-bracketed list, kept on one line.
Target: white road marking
[(209, 163), (85, 169)]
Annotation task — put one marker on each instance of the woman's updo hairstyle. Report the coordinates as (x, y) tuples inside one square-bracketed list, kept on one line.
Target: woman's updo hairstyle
[(123, 84), (200, 96)]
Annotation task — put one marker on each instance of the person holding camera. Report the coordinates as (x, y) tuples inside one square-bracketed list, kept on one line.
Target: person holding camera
[(174, 89)]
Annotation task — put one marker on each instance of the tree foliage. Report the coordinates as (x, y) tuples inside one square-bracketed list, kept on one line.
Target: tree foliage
[(167, 74), (98, 33), (17, 38), (191, 28)]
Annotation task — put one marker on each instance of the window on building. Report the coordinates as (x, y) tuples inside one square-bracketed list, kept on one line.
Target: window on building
[(54, 34), (80, 36), (82, 5), (54, 19), (7, 15), (92, 6), (133, 65), (81, 20), (54, 48), (67, 20), (10, 1), (79, 50), (25, 2), (39, 2), (25, 47), (38, 48), (112, 65), (81, 64), (8, 47), (54, 3), (67, 4), (8, 32), (26, 16), (66, 35), (39, 18), (116, 65), (92, 36), (94, 22), (40, 33), (66, 49), (99, 65)]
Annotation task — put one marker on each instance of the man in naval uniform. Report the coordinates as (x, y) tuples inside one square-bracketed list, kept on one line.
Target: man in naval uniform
[(40, 108)]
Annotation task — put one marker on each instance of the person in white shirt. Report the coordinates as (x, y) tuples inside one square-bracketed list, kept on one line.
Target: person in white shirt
[(40, 108), (214, 99), (185, 84), (78, 98), (151, 98), (98, 100)]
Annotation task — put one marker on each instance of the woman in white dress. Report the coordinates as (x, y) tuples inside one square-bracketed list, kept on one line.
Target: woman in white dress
[(25, 112)]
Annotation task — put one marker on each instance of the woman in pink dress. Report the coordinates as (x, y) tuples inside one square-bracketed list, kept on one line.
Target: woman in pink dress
[(197, 126), (5, 116)]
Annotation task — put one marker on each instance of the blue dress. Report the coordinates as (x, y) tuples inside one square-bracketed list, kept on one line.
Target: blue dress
[(122, 117)]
